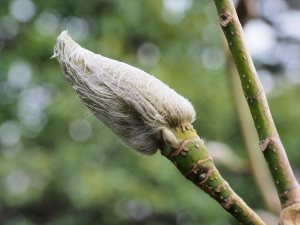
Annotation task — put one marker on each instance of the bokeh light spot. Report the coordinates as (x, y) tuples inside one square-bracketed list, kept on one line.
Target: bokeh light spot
[(213, 58), (17, 182), (77, 27), (22, 10), (148, 54), (80, 130), (260, 38), (19, 74), (10, 133), (47, 23)]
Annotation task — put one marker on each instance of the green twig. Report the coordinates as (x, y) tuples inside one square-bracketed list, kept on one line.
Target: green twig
[(259, 170), (270, 143), (194, 162), (247, 9)]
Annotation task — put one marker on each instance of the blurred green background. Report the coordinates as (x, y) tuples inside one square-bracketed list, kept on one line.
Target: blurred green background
[(61, 166)]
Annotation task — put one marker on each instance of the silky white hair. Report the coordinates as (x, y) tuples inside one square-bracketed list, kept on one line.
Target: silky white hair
[(134, 104)]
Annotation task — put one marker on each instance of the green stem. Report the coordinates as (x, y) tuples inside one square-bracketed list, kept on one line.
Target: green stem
[(270, 143), (194, 162), (247, 9), (259, 170)]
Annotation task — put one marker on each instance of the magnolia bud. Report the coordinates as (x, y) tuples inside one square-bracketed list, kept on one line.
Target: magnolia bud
[(134, 104)]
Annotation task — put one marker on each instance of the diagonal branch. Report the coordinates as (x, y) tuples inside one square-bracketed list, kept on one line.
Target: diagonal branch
[(247, 9), (270, 143), (258, 167), (191, 157)]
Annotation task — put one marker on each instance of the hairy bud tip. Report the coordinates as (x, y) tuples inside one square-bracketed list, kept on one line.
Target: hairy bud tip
[(134, 104)]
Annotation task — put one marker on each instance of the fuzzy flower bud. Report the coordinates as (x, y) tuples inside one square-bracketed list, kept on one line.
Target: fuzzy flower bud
[(135, 105)]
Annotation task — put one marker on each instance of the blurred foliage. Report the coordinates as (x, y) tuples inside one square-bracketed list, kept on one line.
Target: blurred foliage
[(61, 166)]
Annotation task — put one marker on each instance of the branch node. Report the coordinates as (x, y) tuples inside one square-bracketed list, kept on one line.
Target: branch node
[(227, 202), (290, 194), (224, 185), (194, 168), (203, 177), (180, 148), (254, 97), (263, 144), (225, 18), (287, 191)]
